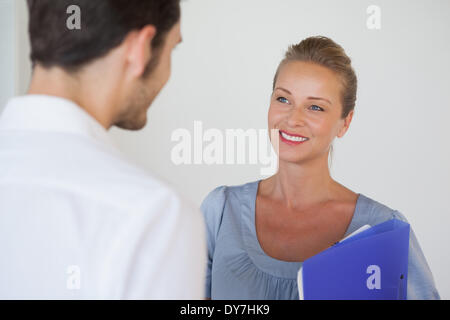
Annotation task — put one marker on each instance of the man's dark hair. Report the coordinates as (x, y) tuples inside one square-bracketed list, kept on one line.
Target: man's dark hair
[(104, 25)]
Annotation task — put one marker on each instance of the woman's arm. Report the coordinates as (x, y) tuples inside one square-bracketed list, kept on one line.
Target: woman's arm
[(212, 209), (421, 284)]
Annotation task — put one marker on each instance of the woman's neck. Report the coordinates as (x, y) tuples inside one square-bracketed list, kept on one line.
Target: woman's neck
[(300, 186)]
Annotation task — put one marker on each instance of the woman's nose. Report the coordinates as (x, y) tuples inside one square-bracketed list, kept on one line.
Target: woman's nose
[(296, 118)]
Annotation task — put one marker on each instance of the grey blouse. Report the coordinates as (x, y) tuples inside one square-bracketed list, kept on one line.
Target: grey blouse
[(238, 268)]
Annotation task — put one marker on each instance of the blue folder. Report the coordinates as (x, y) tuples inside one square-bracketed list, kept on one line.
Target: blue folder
[(371, 265)]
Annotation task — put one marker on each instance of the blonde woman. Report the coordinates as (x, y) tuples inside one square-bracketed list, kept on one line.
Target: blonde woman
[(260, 232)]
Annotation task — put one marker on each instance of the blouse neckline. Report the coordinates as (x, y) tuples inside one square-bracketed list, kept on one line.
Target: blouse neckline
[(264, 262)]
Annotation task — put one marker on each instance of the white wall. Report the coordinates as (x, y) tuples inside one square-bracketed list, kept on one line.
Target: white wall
[(14, 46), (7, 61), (22, 48), (396, 150)]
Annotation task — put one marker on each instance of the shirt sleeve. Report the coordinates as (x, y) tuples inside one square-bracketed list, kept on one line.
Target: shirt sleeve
[(421, 284), (212, 209)]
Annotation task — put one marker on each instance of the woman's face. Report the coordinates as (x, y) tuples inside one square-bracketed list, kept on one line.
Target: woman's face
[(306, 109)]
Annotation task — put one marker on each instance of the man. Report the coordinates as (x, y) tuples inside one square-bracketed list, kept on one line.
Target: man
[(76, 219)]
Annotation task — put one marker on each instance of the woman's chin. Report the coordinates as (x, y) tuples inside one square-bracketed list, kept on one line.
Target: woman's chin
[(291, 157)]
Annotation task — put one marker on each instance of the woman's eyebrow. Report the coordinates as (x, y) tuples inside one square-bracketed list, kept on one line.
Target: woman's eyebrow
[(312, 98), (318, 98), (279, 88)]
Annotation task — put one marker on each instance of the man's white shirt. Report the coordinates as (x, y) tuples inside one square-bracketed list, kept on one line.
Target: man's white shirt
[(78, 221)]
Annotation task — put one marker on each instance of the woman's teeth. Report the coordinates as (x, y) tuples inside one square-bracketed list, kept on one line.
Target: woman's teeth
[(291, 138)]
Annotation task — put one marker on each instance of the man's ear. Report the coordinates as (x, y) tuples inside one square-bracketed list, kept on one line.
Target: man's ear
[(347, 121), (140, 49)]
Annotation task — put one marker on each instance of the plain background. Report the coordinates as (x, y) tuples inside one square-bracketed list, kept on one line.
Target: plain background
[(396, 151)]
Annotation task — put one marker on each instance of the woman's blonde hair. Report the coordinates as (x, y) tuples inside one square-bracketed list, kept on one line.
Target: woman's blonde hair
[(327, 53)]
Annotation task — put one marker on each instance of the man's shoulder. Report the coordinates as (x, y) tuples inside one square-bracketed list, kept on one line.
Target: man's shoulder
[(91, 171), (134, 185)]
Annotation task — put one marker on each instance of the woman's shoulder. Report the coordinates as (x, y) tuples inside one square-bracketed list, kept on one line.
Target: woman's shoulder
[(214, 204), (220, 195), (375, 212)]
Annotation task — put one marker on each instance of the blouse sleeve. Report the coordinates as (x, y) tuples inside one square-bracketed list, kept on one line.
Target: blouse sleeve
[(212, 209), (421, 284)]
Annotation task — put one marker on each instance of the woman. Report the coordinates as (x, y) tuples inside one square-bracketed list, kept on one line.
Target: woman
[(260, 232)]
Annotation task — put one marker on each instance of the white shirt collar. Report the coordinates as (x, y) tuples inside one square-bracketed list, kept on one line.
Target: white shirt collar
[(52, 114)]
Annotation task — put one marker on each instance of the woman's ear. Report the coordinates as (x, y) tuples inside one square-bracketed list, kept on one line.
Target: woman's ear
[(347, 121), (140, 50)]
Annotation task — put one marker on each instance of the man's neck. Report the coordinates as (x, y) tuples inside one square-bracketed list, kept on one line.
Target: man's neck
[(92, 98)]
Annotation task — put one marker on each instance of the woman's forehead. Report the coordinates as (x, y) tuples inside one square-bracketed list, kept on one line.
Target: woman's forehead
[(310, 70), (306, 78)]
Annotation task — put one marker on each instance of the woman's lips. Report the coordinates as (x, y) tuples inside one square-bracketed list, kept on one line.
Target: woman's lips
[(292, 139)]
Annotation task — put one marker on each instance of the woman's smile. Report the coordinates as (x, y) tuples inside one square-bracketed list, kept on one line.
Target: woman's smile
[(292, 139)]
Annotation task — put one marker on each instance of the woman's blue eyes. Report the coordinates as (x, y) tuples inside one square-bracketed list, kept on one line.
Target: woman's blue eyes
[(278, 99), (316, 107), (313, 107)]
